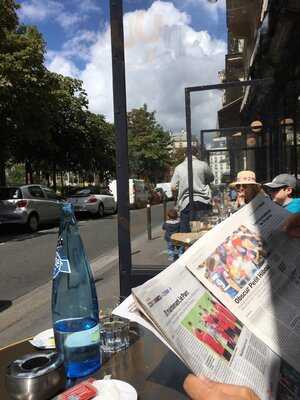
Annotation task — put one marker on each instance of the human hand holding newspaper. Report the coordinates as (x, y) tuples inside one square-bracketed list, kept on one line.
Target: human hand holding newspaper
[(201, 388)]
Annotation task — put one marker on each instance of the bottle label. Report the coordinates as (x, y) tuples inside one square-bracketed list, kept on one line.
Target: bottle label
[(61, 264), (83, 338)]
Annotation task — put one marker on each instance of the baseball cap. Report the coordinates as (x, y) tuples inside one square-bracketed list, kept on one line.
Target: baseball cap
[(281, 181)]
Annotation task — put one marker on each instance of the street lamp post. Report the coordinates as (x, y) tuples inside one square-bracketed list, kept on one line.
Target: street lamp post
[(120, 120)]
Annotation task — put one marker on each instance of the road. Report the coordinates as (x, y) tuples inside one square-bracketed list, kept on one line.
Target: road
[(26, 260)]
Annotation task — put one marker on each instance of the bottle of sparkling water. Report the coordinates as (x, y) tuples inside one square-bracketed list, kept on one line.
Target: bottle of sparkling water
[(74, 302)]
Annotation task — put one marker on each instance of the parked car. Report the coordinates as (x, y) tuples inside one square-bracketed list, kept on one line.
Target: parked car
[(138, 192), (30, 205), (93, 200)]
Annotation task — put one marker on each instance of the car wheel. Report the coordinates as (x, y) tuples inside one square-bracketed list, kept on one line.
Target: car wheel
[(33, 223), (100, 212)]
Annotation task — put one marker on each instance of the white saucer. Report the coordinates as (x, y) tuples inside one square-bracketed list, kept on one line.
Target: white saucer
[(44, 340), (122, 390)]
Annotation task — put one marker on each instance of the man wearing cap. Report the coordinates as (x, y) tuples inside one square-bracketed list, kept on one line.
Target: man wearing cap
[(282, 190), (246, 186)]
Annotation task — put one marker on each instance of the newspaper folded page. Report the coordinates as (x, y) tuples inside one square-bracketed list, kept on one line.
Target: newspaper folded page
[(221, 344), (252, 267)]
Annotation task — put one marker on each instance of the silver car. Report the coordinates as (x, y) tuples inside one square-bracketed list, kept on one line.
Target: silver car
[(93, 200), (29, 205)]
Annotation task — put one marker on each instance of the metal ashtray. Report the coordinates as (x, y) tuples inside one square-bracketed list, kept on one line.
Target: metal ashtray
[(37, 376)]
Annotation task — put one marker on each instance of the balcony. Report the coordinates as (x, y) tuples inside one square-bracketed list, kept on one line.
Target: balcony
[(243, 16), (234, 64)]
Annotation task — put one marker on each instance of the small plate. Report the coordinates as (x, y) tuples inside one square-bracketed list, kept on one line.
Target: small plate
[(44, 340), (122, 390)]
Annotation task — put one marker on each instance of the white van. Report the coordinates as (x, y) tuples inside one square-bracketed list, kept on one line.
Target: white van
[(138, 192), (166, 187)]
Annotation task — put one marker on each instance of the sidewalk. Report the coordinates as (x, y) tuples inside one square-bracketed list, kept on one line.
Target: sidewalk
[(31, 313)]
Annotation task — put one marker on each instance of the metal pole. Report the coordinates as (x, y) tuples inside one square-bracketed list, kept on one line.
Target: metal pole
[(165, 207), (149, 229), (189, 148), (202, 144), (120, 120)]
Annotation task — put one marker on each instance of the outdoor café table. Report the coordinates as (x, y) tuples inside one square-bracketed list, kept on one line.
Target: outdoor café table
[(153, 370), (186, 239)]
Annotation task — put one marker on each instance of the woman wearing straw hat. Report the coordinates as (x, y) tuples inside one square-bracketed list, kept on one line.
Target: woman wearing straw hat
[(246, 186)]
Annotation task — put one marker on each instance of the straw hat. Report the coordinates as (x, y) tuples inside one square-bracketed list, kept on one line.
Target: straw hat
[(245, 178)]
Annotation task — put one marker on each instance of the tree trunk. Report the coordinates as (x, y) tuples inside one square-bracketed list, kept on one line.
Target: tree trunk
[(54, 176), (48, 179), (30, 176), (2, 172)]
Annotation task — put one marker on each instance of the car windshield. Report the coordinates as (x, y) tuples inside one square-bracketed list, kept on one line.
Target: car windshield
[(7, 193)]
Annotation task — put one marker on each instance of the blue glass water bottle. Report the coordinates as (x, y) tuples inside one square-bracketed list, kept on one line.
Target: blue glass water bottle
[(74, 302)]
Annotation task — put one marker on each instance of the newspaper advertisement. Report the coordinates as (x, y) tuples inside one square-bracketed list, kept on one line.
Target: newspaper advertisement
[(206, 335), (252, 267)]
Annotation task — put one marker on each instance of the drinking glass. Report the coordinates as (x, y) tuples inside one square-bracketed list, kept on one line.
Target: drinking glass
[(114, 333)]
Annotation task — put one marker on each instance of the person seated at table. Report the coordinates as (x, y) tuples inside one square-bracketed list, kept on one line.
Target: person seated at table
[(246, 186), (282, 190), (171, 226)]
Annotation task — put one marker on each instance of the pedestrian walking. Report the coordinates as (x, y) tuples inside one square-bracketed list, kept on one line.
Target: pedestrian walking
[(202, 197)]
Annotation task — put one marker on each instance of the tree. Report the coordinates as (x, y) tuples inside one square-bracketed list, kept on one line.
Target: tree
[(179, 155), (148, 145), (21, 81), (100, 151)]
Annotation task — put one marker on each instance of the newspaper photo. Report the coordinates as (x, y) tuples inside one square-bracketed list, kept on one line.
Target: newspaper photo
[(205, 334), (251, 266)]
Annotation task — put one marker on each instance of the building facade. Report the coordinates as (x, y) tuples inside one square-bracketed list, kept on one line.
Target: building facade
[(180, 140), (263, 41), (218, 158)]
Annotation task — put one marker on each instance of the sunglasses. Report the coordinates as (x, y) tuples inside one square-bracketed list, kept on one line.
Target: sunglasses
[(242, 186)]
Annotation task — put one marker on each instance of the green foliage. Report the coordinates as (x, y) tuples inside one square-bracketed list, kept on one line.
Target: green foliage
[(21, 80), (179, 155), (16, 175), (148, 146), (43, 116)]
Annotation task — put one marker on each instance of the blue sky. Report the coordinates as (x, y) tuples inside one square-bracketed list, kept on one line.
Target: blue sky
[(169, 45)]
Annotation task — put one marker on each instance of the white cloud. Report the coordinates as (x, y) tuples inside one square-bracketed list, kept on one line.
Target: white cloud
[(164, 54), (40, 10), (61, 65), (88, 5)]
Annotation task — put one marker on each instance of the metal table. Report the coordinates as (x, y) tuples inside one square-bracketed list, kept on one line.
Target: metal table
[(148, 365)]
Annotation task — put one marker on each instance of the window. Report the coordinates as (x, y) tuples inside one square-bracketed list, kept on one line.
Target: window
[(7, 193), (36, 192), (51, 195)]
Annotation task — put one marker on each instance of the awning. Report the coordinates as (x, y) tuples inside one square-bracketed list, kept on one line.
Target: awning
[(229, 115)]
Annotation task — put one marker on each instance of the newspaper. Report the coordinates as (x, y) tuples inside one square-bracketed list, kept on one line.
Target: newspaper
[(189, 303), (185, 313), (251, 266)]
